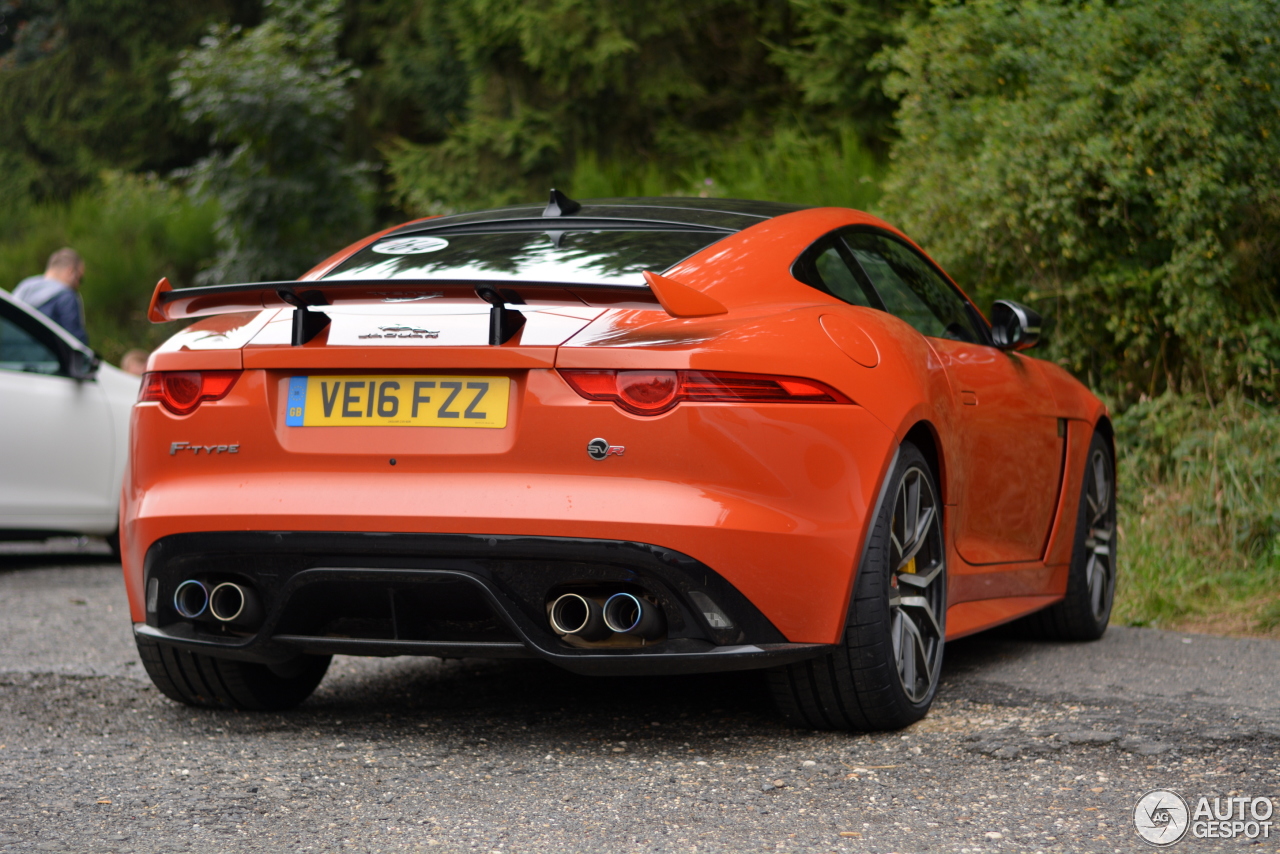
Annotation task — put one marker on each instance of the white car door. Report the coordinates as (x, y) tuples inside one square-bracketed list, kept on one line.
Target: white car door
[(57, 437)]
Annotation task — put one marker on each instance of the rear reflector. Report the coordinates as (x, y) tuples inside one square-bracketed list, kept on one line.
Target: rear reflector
[(654, 392), (181, 392)]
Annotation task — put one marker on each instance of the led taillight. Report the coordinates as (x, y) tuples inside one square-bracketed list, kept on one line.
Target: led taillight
[(654, 392), (181, 392)]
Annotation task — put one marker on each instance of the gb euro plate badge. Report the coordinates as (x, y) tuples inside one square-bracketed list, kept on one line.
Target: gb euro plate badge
[(398, 401)]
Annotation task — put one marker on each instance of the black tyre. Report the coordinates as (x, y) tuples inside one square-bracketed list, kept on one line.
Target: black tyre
[(884, 673), (1091, 582), (220, 683)]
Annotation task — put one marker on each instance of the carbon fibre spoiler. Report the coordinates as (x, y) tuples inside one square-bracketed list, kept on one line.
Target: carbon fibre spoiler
[(308, 298)]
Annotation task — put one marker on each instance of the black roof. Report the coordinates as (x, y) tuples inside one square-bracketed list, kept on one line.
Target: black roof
[(723, 215)]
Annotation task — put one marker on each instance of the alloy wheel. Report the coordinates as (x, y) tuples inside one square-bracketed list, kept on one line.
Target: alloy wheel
[(917, 584), (1100, 568)]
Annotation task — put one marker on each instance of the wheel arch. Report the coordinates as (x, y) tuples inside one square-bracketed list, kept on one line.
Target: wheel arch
[(924, 435), (1104, 426)]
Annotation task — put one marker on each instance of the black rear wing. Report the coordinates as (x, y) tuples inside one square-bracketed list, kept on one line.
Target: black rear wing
[(308, 298)]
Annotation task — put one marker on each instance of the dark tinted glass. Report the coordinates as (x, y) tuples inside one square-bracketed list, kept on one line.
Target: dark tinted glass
[(824, 266), (21, 351), (571, 257), (911, 289), (839, 279)]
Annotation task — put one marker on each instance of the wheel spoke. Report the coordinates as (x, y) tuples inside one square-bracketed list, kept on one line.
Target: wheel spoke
[(895, 635), (913, 510), (922, 603), (1102, 489), (913, 660), (907, 655), (921, 579), (1097, 585), (921, 534)]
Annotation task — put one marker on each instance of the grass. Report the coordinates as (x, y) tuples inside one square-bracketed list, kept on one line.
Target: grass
[(1200, 516), (791, 165)]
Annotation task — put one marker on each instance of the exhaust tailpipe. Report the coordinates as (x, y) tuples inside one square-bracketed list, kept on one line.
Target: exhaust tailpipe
[(233, 603), (579, 616), (191, 599), (630, 615)]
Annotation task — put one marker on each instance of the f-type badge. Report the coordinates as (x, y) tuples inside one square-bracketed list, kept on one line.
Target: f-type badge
[(598, 449)]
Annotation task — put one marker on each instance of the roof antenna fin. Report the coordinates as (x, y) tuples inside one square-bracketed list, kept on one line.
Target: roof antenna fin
[(561, 205)]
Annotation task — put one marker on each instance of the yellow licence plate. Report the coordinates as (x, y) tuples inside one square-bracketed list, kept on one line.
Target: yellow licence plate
[(403, 401)]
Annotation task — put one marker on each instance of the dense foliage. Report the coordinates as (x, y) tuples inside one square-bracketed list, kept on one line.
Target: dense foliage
[(84, 86), (1117, 164), (275, 97), (663, 82)]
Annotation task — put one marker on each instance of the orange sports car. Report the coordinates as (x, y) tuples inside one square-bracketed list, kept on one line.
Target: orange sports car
[(623, 436)]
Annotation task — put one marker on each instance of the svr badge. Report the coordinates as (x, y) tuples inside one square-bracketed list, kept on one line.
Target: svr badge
[(598, 449)]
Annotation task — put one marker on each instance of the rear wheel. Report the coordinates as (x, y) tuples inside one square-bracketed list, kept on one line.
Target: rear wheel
[(1084, 612), (220, 683), (884, 672)]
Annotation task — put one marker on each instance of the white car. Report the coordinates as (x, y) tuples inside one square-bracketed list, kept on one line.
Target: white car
[(64, 430)]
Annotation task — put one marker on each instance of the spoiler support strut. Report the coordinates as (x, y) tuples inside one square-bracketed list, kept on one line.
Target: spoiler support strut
[(503, 322), (306, 324)]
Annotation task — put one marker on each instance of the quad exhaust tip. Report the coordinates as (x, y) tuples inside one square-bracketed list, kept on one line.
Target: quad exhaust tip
[(595, 618), (191, 599), (628, 614), (227, 602), (580, 616), (236, 604)]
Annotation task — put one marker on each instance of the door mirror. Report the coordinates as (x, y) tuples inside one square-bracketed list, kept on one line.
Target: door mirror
[(1014, 326), (82, 364)]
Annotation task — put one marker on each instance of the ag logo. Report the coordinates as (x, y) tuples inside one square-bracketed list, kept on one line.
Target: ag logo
[(410, 246), (598, 449), (1161, 817)]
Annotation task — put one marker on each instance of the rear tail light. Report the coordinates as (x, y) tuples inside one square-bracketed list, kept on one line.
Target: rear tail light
[(181, 392), (654, 392)]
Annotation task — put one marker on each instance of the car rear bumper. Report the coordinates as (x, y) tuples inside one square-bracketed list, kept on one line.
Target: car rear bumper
[(472, 596)]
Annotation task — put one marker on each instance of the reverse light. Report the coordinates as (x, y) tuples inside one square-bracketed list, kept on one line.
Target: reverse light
[(181, 392), (655, 392)]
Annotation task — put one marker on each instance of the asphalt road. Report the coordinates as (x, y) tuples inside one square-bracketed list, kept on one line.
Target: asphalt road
[(1030, 747)]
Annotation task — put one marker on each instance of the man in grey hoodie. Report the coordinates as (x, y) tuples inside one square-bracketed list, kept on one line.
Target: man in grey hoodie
[(56, 293)]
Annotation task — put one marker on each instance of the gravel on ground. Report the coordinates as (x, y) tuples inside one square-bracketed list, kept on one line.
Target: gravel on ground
[(1030, 747)]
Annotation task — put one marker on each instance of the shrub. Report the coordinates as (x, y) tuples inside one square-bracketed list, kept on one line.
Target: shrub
[(276, 97), (1117, 164)]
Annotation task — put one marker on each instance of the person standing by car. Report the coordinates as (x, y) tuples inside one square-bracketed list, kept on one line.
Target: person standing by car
[(56, 293)]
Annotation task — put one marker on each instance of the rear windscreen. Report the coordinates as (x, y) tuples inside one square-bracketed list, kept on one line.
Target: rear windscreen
[(569, 257)]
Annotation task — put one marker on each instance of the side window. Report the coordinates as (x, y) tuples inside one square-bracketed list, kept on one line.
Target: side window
[(911, 289), (825, 268), (21, 350)]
